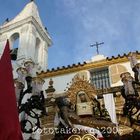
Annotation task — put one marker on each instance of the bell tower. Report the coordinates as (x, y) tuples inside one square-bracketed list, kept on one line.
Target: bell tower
[(33, 37)]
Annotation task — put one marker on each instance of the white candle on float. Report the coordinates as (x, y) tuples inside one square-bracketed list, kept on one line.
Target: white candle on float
[(37, 85), (29, 65), (22, 73), (138, 70), (133, 60)]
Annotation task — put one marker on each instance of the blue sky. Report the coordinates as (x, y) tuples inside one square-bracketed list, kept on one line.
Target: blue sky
[(75, 24)]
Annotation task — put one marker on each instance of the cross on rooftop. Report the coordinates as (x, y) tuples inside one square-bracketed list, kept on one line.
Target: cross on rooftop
[(97, 46)]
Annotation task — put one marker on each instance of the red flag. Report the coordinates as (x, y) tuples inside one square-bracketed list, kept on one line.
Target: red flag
[(9, 121)]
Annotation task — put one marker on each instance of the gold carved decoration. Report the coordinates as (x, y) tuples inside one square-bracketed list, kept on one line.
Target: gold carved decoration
[(89, 137), (78, 85), (85, 137), (74, 137), (85, 75)]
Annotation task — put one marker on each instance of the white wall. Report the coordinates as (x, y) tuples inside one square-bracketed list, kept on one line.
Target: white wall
[(60, 82)]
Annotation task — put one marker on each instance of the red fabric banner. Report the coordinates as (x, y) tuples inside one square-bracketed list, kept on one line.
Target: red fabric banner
[(9, 121)]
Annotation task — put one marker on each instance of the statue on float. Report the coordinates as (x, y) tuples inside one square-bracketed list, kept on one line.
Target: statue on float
[(81, 113), (129, 91)]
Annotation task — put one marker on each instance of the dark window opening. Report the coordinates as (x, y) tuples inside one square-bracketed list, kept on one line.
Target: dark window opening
[(14, 42), (100, 78)]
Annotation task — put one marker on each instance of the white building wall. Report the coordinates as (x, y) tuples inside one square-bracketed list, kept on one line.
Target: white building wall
[(60, 82)]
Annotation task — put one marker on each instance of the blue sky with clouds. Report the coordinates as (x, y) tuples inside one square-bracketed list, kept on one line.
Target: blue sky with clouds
[(75, 24)]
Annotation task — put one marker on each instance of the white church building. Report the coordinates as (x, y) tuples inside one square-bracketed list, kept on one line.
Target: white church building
[(34, 41)]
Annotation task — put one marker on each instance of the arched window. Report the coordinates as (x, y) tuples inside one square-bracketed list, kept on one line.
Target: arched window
[(14, 44), (37, 48), (14, 40)]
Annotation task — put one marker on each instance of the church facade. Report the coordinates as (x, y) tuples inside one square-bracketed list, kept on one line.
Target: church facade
[(101, 73), (34, 42)]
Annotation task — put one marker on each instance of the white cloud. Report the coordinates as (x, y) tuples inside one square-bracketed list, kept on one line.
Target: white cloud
[(110, 21)]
